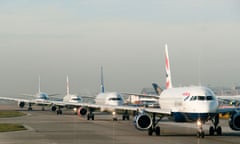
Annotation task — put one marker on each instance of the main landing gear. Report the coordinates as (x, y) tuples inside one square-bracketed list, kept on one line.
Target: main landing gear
[(59, 111), (125, 115), (30, 107), (215, 129), (90, 115), (154, 128)]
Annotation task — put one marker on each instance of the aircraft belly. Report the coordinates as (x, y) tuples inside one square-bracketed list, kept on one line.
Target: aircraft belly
[(186, 117)]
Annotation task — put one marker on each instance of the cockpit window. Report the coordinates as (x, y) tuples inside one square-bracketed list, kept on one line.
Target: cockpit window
[(115, 99), (210, 98), (202, 98), (186, 98), (76, 99), (193, 98)]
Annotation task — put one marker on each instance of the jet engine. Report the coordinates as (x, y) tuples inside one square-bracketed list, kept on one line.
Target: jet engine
[(53, 108), (81, 111), (234, 121), (142, 121), (21, 104)]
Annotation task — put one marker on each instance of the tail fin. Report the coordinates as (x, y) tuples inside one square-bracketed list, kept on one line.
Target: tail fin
[(39, 84), (168, 72), (102, 82), (157, 89), (67, 86)]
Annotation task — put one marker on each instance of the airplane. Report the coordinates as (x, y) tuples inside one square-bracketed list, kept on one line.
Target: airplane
[(143, 99), (57, 105), (103, 101), (185, 104), (40, 99)]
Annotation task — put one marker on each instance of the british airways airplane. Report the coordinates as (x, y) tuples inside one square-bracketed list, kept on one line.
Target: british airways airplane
[(58, 105), (186, 104)]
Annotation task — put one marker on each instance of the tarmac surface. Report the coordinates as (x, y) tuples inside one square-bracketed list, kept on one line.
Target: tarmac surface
[(45, 127)]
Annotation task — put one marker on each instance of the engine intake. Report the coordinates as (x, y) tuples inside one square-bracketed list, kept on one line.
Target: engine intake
[(143, 121), (21, 104), (234, 121), (54, 108), (81, 111)]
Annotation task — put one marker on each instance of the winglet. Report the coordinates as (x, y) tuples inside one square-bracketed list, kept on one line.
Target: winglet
[(168, 72), (102, 82)]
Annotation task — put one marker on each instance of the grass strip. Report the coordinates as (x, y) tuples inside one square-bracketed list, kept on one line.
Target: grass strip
[(5, 127), (8, 113)]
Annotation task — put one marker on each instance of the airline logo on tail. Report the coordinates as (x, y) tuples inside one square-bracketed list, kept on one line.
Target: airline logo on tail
[(168, 72), (157, 89)]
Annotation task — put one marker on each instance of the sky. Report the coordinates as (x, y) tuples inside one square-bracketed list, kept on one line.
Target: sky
[(56, 38)]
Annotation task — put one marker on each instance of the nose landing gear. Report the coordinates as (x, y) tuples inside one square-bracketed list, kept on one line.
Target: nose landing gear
[(200, 132), (215, 129)]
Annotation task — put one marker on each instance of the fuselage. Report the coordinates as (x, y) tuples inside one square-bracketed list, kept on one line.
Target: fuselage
[(72, 98), (189, 103), (109, 98)]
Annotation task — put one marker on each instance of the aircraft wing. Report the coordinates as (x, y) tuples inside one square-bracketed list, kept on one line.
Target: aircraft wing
[(228, 109), (237, 97), (142, 95), (32, 101), (14, 99), (123, 107), (31, 95), (143, 109)]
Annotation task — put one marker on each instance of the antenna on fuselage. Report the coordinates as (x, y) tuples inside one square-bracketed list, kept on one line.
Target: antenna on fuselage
[(102, 82)]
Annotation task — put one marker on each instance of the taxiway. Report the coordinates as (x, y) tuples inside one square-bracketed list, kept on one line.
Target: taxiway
[(45, 127)]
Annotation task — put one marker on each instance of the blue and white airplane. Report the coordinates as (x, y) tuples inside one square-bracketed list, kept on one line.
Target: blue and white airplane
[(103, 102), (40, 98)]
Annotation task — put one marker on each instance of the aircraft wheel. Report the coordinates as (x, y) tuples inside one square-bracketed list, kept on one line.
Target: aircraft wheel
[(200, 134), (30, 109), (211, 131), (157, 131), (90, 116), (59, 112), (219, 131), (150, 131)]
